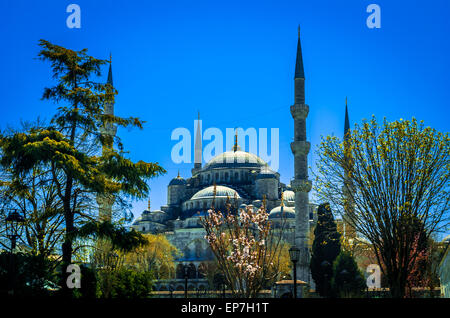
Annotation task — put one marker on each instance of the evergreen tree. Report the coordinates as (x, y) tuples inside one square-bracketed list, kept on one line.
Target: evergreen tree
[(326, 247), (347, 281), (67, 147)]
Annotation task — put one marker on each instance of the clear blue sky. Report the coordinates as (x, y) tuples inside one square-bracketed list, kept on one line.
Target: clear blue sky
[(234, 61)]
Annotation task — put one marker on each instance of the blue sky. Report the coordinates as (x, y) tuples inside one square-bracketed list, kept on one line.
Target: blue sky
[(234, 62)]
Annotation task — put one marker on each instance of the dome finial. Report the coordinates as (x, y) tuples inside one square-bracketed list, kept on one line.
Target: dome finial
[(148, 204), (282, 199), (236, 146), (178, 176)]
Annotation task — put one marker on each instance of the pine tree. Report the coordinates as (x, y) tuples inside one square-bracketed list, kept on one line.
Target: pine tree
[(326, 247), (66, 145), (347, 281)]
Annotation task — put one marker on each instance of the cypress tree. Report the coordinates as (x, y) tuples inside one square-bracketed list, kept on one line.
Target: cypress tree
[(326, 247), (347, 281)]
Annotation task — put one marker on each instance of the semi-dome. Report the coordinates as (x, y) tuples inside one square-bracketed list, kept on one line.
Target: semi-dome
[(277, 213), (177, 181), (221, 191), (235, 159), (266, 173), (289, 195)]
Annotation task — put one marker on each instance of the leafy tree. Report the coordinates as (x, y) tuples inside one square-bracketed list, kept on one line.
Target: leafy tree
[(397, 175), (326, 247), (34, 275), (131, 284), (156, 255), (347, 281), (34, 197), (66, 146)]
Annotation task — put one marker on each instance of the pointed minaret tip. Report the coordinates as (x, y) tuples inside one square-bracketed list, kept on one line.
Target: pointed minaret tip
[(299, 71), (110, 78), (347, 120)]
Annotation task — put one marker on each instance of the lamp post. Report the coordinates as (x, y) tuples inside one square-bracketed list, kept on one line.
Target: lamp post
[(14, 222), (294, 254)]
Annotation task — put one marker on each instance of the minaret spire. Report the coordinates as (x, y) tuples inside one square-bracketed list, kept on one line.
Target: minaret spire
[(299, 71), (301, 185), (347, 121), (198, 146), (108, 131), (110, 78), (349, 203)]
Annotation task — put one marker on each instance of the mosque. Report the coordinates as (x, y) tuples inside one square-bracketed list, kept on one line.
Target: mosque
[(242, 178), (236, 176), (246, 180)]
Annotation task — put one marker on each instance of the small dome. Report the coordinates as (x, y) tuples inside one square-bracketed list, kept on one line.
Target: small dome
[(177, 181), (446, 239), (235, 159), (287, 212), (221, 191), (288, 195), (266, 173), (138, 219)]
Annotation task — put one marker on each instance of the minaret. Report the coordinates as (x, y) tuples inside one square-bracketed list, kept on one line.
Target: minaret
[(349, 205), (109, 130), (301, 185), (198, 147)]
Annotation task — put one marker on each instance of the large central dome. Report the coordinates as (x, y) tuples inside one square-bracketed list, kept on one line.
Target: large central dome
[(238, 158), (220, 192)]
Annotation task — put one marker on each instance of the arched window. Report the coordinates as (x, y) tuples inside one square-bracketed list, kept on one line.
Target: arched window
[(192, 271), (180, 271)]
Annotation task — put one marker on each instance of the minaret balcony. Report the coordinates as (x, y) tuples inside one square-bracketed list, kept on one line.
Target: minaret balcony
[(299, 111), (300, 148), (299, 185)]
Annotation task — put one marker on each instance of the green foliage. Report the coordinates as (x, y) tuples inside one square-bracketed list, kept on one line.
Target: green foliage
[(34, 275), (347, 281), (392, 175), (67, 147), (326, 247), (88, 283), (126, 283), (118, 236)]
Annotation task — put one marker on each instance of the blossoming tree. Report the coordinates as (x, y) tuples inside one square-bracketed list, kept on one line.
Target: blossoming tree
[(249, 253)]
